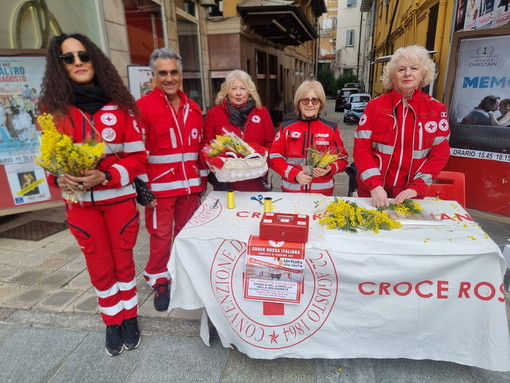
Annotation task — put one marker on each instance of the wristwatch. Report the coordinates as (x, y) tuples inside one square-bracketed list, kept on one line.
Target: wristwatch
[(107, 178)]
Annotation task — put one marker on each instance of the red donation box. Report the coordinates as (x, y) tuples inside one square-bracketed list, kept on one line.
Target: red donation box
[(284, 227)]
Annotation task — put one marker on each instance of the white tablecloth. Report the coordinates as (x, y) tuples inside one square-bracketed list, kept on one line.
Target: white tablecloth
[(426, 291)]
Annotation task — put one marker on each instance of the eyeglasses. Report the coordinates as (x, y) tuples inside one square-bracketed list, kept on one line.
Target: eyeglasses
[(306, 101), (68, 58)]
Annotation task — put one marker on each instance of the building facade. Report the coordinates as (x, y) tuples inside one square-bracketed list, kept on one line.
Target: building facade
[(326, 46), (401, 23), (353, 44), (274, 41)]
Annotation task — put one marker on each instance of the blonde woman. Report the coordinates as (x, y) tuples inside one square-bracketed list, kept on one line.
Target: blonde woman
[(401, 143), (288, 155), (239, 110)]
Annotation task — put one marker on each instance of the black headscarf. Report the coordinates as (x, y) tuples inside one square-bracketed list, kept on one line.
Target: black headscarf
[(239, 115), (89, 98)]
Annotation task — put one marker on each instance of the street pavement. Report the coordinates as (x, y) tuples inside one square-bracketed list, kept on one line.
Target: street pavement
[(51, 331)]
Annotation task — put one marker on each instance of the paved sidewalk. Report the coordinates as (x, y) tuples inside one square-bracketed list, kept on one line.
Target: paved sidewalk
[(51, 331)]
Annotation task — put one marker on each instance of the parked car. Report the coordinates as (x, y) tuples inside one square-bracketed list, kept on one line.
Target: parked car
[(342, 97), (355, 106)]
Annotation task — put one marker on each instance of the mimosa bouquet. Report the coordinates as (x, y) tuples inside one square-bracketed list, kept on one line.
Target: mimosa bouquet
[(348, 216), (229, 143), (59, 155), (405, 209), (231, 159), (318, 159)]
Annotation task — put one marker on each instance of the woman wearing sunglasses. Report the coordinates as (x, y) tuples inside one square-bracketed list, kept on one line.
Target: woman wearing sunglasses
[(295, 139), (85, 94)]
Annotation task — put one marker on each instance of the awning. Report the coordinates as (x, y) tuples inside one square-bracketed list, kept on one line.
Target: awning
[(383, 59), (280, 21)]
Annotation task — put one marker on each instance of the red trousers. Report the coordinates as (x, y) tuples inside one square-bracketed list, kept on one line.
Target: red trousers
[(163, 223), (107, 235)]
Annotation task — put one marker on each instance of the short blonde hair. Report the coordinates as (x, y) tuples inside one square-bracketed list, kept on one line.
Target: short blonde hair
[(245, 78), (413, 53), (304, 88)]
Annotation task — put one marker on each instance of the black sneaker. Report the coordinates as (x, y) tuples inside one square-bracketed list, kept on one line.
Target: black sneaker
[(114, 341), (162, 297), (130, 333)]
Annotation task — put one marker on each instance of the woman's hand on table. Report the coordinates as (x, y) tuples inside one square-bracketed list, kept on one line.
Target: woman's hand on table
[(319, 172), (303, 179), (405, 194), (379, 197)]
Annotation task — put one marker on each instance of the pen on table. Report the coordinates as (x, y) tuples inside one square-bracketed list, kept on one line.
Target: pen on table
[(216, 203), (276, 200)]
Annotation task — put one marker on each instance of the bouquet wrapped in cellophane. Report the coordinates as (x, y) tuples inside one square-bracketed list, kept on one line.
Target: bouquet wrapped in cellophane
[(232, 159), (318, 159), (59, 155)]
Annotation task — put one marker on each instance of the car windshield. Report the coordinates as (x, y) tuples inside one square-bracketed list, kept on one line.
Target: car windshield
[(360, 99)]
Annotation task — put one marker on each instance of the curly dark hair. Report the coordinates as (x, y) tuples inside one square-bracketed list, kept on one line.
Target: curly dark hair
[(57, 88)]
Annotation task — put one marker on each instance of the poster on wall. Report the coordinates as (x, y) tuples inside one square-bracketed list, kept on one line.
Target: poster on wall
[(27, 183), (480, 108), (484, 19), (140, 80), (20, 82), (481, 14), (501, 13), (21, 181)]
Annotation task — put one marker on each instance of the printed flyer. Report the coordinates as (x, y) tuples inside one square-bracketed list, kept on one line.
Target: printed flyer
[(274, 270)]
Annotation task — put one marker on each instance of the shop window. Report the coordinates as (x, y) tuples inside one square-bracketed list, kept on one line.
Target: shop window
[(145, 30), (189, 48), (21, 22)]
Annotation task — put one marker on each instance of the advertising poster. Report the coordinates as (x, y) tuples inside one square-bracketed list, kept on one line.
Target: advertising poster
[(501, 13), (20, 82), (27, 183), (21, 181), (480, 108), (460, 15), (486, 13), (140, 80), (274, 270), (472, 14)]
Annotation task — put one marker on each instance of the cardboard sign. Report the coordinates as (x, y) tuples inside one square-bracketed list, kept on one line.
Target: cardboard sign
[(274, 270)]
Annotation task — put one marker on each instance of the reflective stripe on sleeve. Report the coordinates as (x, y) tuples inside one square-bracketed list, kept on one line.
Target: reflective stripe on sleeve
[(364, 134), (382, 148), (427, 178), (124, 175), (369, 173)]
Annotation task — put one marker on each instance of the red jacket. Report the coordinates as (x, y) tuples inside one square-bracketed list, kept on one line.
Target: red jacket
[(288, 154), (173, 144), (258, 131), (119, 130), (378, 153)]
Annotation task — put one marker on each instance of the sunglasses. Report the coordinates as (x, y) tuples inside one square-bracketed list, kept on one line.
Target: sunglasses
[(68, 58), (306, 101)]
